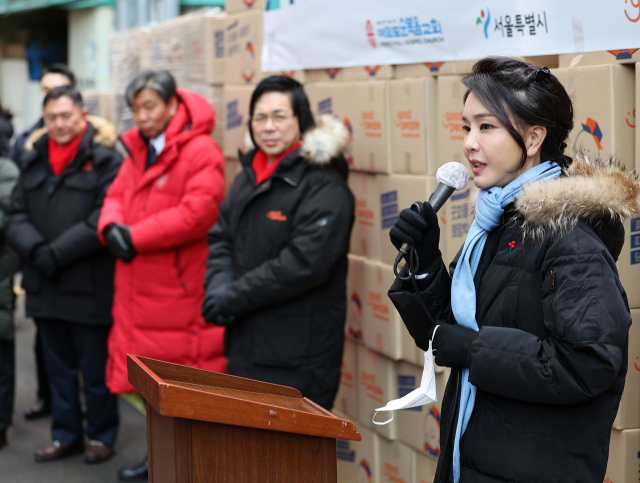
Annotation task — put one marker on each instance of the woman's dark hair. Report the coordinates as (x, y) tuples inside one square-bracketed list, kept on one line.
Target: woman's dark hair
[(160, 81), (62, 70), (64, 91), (5, 113), (299, 100), (521, 95)]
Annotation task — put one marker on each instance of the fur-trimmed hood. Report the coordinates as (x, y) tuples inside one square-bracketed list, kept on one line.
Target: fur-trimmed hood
[(105, 134), (328, 139), (596, 192)]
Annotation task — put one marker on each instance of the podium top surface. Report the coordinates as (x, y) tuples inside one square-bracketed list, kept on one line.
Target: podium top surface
[(185, 392)]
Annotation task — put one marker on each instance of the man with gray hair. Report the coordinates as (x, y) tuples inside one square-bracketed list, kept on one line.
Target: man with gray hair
[(68, 276), (155, 221)]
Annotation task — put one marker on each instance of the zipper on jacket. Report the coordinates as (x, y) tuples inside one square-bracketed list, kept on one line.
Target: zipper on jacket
[(552, 278)]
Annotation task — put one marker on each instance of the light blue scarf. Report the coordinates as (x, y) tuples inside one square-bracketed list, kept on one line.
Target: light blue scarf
[(489, 209)]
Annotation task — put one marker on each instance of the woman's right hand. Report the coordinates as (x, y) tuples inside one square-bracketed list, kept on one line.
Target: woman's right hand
[(422, 232)]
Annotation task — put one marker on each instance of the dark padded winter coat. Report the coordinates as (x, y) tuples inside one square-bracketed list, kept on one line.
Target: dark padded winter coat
[(8, 177), (63, 211), (279, 253), (550, 359)]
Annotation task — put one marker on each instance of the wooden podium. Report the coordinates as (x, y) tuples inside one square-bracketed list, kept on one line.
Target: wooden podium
[(208, 427)]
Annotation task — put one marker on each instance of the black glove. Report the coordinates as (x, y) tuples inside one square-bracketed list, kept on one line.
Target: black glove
[(422, 232), (452, 343), (119, 242), (214, 309), (44, 259)]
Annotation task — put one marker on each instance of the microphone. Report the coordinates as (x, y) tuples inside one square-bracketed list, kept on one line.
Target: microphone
[(451, 177)]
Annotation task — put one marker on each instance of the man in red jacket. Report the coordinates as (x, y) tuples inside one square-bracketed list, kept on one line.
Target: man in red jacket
[(155, 220)]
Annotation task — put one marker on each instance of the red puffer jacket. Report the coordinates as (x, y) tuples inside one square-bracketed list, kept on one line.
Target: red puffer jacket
[(169, 207)]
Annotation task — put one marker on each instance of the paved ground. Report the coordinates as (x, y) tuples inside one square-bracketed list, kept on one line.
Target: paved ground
[(16, 459)]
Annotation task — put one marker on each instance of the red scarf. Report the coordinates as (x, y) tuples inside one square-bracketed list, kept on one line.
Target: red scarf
[(60, 155), (264, 171)]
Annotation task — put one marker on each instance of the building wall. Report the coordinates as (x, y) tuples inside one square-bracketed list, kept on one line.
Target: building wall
[(89, 32)]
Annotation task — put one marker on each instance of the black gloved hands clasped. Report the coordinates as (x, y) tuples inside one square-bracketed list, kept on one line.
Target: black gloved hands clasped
[(452, 344), (118, 238), (214, 309), (44, 259), (422, 232)]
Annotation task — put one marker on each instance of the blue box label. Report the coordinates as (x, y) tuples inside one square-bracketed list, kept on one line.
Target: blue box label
[(635, 224), (460, 196), (407, 381), (389, 197), (325, 107), (234, 119), (635, 241), (635, 257)]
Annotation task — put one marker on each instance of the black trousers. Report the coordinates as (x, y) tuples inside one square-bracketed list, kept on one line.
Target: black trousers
[(70, 348), (43, 392), (7, 382)]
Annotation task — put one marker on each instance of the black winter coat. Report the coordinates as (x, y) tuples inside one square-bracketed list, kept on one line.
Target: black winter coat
[(550, 359), (279, 253), (63, 211)]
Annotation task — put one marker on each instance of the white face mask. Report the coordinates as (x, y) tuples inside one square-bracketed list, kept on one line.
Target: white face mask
[(425, 394)]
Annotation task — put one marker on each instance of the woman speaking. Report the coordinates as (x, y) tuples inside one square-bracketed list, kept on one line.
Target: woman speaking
[(531, 315)]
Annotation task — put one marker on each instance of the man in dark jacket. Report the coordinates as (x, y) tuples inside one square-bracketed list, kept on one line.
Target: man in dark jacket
[(54, 75), (68, 274), (276, 273)]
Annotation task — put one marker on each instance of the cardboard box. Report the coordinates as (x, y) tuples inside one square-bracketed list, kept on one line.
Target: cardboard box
[(450, 127), (371, 146), (425, 69), (354, 325), (121, 114), (364, 236), (168, 47), (395, 193), (371, 72), (624, 457), (395, 462), (622, 56), (346, 399), (603, 102), (424, 468), (235, 117), (376, 387), (299, 75), (232, 168), (129, 53), (384, 330), (234, 6), (454, 223), (243, 48), (98, 103), (413, 124), (628, 416), (204, 44), (336, 99), (419, 427), (357, 461)]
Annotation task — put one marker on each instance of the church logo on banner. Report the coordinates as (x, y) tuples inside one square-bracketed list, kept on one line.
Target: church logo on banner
[(404, 31)]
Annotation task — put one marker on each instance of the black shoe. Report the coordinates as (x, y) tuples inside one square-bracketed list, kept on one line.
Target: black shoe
[(39, 410), (139, 472), (3, 439)]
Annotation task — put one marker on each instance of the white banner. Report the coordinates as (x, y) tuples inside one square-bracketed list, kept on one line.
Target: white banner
[(308, 34)]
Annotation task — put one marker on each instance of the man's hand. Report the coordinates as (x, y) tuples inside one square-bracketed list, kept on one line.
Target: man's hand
[(214, 309), (119, 242), (44, 259)]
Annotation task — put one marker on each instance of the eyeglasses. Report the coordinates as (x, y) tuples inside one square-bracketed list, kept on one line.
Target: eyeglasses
[(278, 118)]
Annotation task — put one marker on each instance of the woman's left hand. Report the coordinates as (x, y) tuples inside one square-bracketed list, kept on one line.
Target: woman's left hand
[(452, 343)]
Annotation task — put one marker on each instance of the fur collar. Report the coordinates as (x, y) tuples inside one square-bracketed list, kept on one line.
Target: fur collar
[(105, 133), (327, 140), (591, 191)]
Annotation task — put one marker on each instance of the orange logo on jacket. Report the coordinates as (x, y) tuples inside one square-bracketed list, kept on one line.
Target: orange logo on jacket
[(88, 166), (276, 216)]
